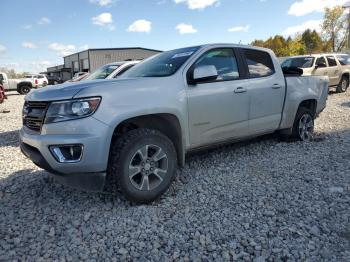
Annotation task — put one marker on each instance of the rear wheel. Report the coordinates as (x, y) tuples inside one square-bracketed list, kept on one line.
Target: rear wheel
[(343, 85), (143, 163), (24, 89), (303, 128)]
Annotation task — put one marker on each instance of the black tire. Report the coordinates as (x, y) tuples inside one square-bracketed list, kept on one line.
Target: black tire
[(343, 85), (297, 133), (24, 89), (44, 84), (126, 156)]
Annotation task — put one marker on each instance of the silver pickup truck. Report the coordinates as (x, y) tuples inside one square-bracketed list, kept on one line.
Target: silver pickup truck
[(134, 131)]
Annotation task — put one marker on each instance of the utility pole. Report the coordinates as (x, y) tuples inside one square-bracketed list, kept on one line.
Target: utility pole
[(346, 6)]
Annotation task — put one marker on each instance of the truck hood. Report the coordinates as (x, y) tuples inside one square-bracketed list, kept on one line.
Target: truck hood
[(61, 92), (93, 88)]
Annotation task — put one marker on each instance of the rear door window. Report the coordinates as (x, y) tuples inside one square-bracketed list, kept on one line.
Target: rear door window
[(259, 63), (331, 61)]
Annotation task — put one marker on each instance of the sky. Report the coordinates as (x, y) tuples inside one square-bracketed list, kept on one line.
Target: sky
[(36, 34)]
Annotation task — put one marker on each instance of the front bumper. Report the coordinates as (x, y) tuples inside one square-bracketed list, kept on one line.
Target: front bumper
[(90, 172)]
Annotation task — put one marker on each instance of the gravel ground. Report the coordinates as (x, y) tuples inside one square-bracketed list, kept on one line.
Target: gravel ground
[(262, 200)]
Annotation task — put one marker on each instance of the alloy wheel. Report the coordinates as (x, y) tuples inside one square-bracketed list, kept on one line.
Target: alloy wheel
[(306, 127), (148, 167), (344, 85)]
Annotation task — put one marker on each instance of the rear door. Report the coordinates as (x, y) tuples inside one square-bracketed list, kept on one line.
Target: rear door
[(218, 109), (266, 87), (334, 72)]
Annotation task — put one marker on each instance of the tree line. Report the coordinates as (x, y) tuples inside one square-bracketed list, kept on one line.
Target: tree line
[(332, 38)]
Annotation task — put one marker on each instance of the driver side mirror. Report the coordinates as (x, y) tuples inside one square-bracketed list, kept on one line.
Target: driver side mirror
[(204, 74)]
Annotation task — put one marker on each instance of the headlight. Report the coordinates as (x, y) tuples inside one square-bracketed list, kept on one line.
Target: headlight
[(71, 109)]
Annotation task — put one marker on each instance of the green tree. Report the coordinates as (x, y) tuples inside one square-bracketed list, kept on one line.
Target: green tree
[(312, 41), (334, 28)]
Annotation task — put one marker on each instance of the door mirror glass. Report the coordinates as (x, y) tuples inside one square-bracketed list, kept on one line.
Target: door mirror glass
[(205, 73)]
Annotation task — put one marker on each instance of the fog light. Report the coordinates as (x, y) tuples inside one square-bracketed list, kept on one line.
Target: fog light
[(67, 153)]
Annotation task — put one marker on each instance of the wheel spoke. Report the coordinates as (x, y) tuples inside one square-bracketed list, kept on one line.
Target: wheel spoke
[(134, 170), (158, 155), (143, 152), (160, 173), (145, 183), (310, 124)]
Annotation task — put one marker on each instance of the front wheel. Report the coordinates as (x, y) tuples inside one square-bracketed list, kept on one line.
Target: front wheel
[(303, 127), (143, 163)]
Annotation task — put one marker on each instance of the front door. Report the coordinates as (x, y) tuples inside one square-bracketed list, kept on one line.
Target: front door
[(218, 110), (321, 68)]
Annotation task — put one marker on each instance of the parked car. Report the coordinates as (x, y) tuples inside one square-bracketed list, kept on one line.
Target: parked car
[(335, 66), (78, 78), (54, 80), (136, 129), (42, 79), (23, 85), (112, 70), (79, 74)]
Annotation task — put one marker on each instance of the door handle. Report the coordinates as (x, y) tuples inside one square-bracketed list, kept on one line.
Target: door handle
[(276, 86), (240, 90)]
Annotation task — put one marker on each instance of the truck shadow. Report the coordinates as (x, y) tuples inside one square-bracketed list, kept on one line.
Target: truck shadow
[(346, 104), (10, 138)]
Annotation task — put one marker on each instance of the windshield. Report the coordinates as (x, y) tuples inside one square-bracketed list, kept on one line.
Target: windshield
[(301, 62), (344, 59), (102, 72), (161, 65)]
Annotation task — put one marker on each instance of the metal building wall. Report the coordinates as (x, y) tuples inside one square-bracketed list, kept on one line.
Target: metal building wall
[(102, 57)]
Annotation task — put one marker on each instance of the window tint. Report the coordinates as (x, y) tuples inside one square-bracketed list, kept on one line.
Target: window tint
[(259, 63), (39, 76), (344, 59), (331, 61), (320, 60), (301, 62), (224, 61)]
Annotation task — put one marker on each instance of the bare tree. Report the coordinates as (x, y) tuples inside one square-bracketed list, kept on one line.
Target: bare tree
[(334, 27)]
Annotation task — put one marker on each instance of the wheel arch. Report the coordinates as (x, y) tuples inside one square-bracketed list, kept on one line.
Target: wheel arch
[(309, 104), (347, 75), (166, 123)]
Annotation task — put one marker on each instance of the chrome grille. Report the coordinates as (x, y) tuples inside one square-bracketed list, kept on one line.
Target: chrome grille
[(34, 114)]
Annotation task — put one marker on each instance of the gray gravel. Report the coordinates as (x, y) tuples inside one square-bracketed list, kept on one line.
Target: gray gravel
[(262, 200)]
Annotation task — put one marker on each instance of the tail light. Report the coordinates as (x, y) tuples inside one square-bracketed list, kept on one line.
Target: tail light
[(36, 82)]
